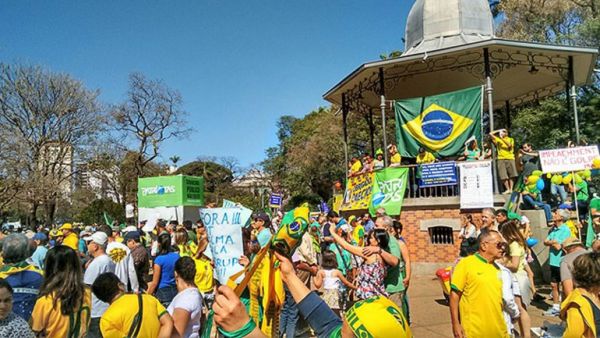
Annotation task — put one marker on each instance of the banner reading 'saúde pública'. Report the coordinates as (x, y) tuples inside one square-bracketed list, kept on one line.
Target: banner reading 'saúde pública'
[(437, 174), (388, 190), (476, 185), (358, 192), (224, 230), (441, 123)]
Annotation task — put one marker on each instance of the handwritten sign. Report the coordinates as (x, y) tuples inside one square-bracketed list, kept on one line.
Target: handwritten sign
[(476, 185), (568, 159), (224, 230), (358, 192), (246, 213)]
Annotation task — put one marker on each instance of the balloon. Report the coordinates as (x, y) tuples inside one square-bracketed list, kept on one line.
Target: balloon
[(537, 173), (587, 174), (557, 179), (531, 186), (548, 175), (540, 185), (567, 179), (596, 163), (532, 179), (531, 242), (578, 179)]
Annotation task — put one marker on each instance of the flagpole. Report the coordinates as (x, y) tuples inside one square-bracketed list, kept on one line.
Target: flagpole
[(382, 106), (489, 91)]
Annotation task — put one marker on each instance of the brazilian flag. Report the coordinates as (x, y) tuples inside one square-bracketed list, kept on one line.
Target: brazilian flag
[(441, 123)]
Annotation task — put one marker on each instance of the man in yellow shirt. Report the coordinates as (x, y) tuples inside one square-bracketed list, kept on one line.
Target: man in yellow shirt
[(476, 296), (424, 157), (70, 237), (355, 166), (358, 231), (121, 319), (395, 157), (507, 170)]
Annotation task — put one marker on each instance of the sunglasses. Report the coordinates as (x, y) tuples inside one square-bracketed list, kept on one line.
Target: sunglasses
[(499, 245)]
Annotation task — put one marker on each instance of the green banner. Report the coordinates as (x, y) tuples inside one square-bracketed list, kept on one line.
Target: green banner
[(441, 123), (389, 186), (170, 191)]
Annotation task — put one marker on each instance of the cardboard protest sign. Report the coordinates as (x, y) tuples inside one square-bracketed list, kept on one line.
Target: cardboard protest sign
[(476, 185), (224, 230), (388, 190), (358, 192), (568, 159), (246, 213)]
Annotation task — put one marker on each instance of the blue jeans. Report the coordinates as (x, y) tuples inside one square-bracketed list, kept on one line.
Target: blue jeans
[(559, 190), (166, 294), (547, 211), (289, 318)]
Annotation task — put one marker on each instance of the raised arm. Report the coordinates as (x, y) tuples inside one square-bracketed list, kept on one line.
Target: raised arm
[(355, 250)]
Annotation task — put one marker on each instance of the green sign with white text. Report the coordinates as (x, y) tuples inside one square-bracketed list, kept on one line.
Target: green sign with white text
[(170, 191)]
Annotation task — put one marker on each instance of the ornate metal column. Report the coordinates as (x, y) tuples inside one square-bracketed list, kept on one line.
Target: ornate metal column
[(382, 106)]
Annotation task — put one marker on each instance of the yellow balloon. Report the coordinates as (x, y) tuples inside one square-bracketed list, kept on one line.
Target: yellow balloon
[(557, 179), (532, 179), (587, 173), (578, 179), (537, 173), (567, 179), (596, 163), (548, 175)]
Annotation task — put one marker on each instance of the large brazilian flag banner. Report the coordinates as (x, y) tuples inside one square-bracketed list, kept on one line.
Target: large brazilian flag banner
[(388, 190), (440, 123)]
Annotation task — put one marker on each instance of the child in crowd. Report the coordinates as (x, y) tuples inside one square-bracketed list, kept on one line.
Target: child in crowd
[(330, 279)]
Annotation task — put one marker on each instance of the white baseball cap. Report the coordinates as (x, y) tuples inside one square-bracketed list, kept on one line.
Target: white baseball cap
[(97, 237)]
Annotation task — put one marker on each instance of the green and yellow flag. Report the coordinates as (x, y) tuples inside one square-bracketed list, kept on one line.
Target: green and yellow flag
[(440, 123)]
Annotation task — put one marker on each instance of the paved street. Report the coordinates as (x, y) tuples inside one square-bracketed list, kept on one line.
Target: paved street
[(430, 314)]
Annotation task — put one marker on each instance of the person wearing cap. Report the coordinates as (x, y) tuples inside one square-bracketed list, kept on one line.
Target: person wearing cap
[(378, 161), (141, 259), (120, 254), (476, 296), (558, 234), (39, 255), (70, 237), (56, 238), (373, 317), (573, 248), (261, 224), (424, 157), (100, 264), (395, 157), (23, 277)]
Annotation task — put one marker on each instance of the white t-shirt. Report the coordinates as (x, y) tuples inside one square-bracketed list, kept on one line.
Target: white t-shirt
[(98, 266), (124, 268), (189, 300)]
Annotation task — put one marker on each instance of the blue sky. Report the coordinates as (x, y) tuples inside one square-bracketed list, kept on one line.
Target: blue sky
[(239, 65)]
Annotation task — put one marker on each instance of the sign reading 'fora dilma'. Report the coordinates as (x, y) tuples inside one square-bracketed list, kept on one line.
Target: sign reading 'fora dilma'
[(170, 191)]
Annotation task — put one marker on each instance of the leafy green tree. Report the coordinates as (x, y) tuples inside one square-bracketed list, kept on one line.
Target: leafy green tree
[(215, 175)]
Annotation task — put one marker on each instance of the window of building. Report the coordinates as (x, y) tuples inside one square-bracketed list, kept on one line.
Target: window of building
[(441, 235)]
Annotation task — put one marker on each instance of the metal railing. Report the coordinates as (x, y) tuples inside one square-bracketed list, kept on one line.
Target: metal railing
[(414, 191)]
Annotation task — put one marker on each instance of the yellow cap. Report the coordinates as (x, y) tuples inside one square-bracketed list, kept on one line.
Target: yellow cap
[(55, 233), (66, 226), (377, 317)]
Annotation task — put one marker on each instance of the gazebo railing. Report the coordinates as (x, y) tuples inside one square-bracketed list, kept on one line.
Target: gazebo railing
[(414, 191)]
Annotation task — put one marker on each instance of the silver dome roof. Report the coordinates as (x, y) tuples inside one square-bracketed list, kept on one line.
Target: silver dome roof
[(439, 24)]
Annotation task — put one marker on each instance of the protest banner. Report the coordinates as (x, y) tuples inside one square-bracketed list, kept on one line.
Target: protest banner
[(246, 213), (358, 192), (437, 174), (388, 190), (476, 185), (568, 159), (275, 200), (224, 230)]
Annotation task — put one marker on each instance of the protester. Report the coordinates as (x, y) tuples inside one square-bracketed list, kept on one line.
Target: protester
[(11, 325), (100, 264), (63, 306), (261, 225), (119, 320), (573, 248), (140, 257), (163, 278), (488, 219), (472, 151), (581, 309), (476, 296), (367, 163), (378, 161), (395, 158), (70, 237), (186, 307), (355, 167), (582, 195), (510, 292), (467, 234), (533, 198), (367, 222), (358, 231), (559, 232), (120, 255), (507, 171), (424, 157), (24, 278), (517, 265), (530, 159), (204, 270), (370, 281), (330, 278), (39, 255), (404, 268), (501, 218)]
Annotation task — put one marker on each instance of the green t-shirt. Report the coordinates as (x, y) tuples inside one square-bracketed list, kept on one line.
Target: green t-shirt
[(582, 191), (595, 204), (393, 279)]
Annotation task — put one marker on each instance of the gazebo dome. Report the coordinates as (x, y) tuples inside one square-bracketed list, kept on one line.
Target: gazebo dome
[(439, 24)]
